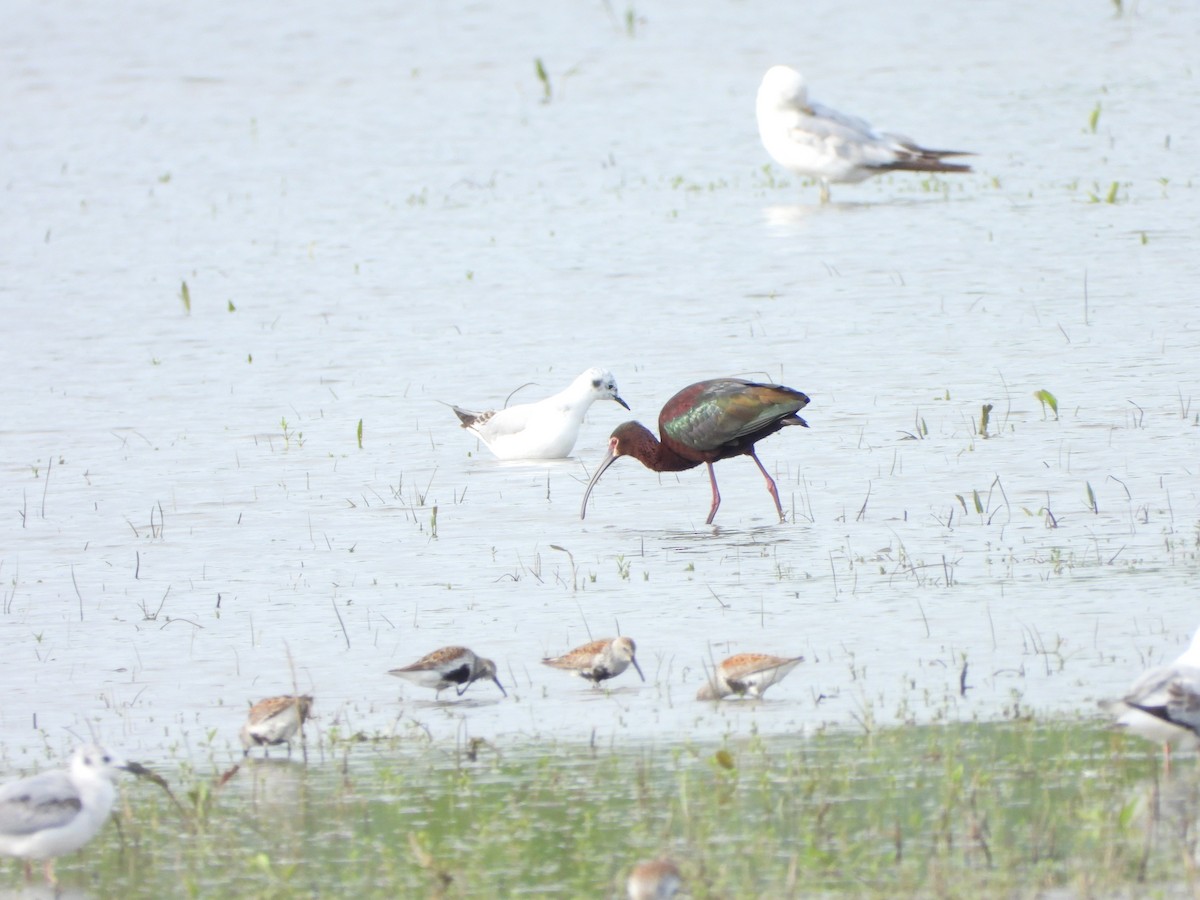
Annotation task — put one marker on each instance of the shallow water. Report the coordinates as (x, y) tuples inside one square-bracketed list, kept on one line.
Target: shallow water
[(376, 214)]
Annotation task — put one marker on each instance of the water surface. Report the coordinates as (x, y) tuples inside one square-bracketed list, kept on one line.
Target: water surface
[(376, 212)]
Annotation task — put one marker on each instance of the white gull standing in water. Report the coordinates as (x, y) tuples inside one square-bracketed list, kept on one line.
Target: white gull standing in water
[(57, 812), (546, 429), (818, 142)]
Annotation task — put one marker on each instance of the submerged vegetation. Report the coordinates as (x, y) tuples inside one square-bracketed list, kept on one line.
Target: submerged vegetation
[(938, 811)]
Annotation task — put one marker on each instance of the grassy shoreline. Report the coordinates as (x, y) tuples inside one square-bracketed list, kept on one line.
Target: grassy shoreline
[(983, 810)]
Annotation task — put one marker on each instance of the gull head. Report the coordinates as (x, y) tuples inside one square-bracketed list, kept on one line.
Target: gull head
[(782, 88), (91, 762), (601, 384)]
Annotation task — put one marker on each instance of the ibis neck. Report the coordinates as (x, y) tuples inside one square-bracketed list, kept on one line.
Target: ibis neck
[(662, 458)]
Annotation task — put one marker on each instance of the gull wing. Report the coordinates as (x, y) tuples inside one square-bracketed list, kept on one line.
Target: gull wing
[(48, 800)]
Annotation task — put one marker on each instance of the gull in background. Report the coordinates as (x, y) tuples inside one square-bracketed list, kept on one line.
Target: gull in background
[(1182, 706), (812, 140), (546, 429), (1162, 704)]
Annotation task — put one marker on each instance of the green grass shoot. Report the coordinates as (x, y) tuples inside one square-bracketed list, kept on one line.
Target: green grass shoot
[(543, 78), (186, 296), (1047, 399)]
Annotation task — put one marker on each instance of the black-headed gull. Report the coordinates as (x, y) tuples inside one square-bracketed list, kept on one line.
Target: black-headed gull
[(1155, 706), (1182, 705), (546, 429), (809, 139), (57, 812)]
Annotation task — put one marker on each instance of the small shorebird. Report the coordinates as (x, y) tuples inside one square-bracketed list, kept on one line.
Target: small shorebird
[(1146, 707), (57, 812), (599, 660), (747, 673), (275, 721), (546, 429), (454, 667), (818, 142), (655, 880)]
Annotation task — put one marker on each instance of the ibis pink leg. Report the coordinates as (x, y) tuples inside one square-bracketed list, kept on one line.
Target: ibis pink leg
[(770, 483), (712, 513)]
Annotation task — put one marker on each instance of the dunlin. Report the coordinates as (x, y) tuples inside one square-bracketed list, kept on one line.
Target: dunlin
[(747, 673), (655, 880), (599, 660), (275, 721), (454, 667)]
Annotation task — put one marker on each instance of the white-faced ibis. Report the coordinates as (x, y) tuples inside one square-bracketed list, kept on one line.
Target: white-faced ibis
[(454, 667), (598, 660), (57, 812), (546, 429), (747, 673), (705, 422), (1146, 709), (275, 721), (818, 142)]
